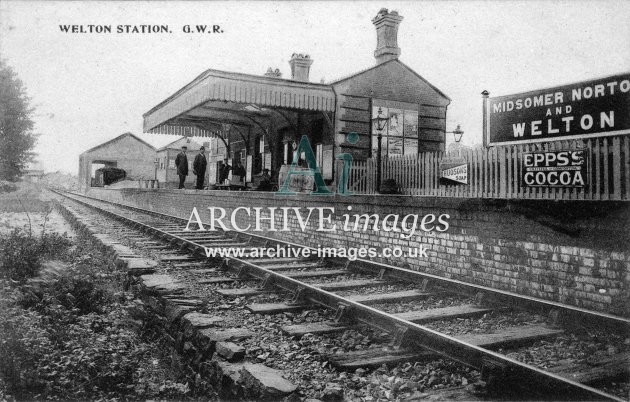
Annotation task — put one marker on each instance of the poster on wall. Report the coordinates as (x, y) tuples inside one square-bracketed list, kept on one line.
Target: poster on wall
[(396, 123), (394, 146), (586, 109), (411, 124), (411, 146), (267, 161)]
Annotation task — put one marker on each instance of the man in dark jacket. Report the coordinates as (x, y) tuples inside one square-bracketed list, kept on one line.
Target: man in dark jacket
[(199, 168), (224, 173), (182, 166), (239, 171), (265, 181)]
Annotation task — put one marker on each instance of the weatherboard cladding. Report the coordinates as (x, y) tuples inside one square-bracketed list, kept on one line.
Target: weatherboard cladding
[(432, 111), (431, 123), (355, 117), (241, 88), (393, 84), (352, 102)]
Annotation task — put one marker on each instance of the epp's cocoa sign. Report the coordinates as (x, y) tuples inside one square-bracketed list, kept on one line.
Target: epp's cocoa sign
[(587, 109), (554, 169)]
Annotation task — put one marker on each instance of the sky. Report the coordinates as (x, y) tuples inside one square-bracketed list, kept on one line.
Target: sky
[(89, 88)]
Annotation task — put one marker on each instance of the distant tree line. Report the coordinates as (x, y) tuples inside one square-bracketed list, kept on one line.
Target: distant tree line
[(16, 126)]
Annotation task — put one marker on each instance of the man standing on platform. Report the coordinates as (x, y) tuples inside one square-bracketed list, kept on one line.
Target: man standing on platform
[(224, 173), (199, 168), (239, 171), (182, 166)]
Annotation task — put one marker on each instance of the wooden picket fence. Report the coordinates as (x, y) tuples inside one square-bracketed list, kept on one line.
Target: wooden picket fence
[(362, 178), (496, 172)]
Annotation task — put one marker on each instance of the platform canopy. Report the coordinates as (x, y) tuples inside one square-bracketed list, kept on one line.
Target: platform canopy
[(217, 98)]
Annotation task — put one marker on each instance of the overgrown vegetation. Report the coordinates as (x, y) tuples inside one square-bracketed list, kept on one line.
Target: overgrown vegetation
[(7, 187), (67, 333), (23, 198), (21, 253)]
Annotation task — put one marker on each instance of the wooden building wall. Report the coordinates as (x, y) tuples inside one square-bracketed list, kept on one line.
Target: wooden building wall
[(389, 81)]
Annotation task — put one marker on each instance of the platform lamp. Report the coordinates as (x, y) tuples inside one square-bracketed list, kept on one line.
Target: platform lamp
[(457, 133), (381, 122)]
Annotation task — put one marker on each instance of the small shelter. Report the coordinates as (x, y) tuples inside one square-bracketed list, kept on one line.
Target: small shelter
[(128, 152)]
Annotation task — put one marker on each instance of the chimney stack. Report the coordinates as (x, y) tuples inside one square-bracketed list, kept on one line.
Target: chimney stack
[(386, 24), (273, 73), (300, 67)]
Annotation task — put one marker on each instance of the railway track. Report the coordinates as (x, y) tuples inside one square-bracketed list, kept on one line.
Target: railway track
[(407, 305)]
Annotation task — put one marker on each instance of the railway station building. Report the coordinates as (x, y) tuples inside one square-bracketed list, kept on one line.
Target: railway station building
[(259, 119), (565, 243)]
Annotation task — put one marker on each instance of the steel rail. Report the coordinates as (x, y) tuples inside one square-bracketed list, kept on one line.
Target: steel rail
[(581, 315), (504, 369)]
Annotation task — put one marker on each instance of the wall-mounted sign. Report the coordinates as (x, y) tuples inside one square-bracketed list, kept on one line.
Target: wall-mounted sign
[(454, 171), (267, 161), (554, 169), (587, 109)]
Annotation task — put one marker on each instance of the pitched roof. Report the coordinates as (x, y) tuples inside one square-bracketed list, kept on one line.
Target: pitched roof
[(352, 75), (128, 134), (365, 70), (235, 76), (423, 79), (190, 144), (217, 85)]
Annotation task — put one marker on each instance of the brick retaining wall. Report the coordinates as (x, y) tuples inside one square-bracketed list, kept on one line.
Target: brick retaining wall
[(573, 252)]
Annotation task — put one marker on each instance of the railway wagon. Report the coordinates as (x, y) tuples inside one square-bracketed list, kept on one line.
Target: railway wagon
[(108, 175)]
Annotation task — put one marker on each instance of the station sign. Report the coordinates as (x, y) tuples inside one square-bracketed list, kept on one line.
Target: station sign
[(586, 109), (563, 169), (454, 171)]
